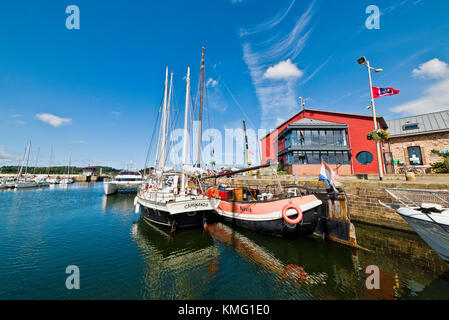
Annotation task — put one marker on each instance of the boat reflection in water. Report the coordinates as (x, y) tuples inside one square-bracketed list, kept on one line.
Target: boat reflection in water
[(121, 203), (177, 267), (263, 258), (221, 262)]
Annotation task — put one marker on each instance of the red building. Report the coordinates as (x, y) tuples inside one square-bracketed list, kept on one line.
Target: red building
[(339, 138)]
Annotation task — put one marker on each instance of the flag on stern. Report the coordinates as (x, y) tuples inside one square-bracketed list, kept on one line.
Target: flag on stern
[(329, 176), (383, 92)]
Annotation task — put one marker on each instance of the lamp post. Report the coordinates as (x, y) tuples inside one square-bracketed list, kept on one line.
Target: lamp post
[(362, 61)]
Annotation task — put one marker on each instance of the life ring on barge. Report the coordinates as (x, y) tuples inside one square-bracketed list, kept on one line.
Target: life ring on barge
[(287, 219), (212, 192)]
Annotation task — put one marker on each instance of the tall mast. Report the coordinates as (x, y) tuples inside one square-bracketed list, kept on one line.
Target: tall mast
[(201, 107), (166, 123), (184, 146), (161, 141), (68, 168), (37, 159), (49, 161), (23, 160), (28, 158)]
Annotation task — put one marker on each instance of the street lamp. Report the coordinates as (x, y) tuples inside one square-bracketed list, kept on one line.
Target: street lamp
[(362, 61)]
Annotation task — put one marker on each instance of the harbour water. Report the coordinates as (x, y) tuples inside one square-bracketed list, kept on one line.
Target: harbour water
[(42, 231)]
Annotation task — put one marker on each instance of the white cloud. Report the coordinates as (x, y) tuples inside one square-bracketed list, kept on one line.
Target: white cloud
[(211, 83), (116, 113), (78, 141), (283, 70), (20, 122), (433, 69), (53, 120), (436, 98)]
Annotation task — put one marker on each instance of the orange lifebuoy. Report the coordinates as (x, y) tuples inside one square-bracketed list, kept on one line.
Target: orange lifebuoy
[(212, 192), (287, 219)]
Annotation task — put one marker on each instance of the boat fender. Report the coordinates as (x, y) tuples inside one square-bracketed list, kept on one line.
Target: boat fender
[(137, 208), (287, 219), (135, 201), (212, 192)]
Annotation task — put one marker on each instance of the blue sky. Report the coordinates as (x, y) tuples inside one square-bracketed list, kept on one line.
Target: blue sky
[(104, 82)]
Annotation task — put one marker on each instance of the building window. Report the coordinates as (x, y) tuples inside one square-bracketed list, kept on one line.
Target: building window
[(364, 157), (414, 155), (309, 138), (315, 157), (412, 126)]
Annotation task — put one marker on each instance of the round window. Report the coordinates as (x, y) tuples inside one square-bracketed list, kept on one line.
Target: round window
[(364, 157)]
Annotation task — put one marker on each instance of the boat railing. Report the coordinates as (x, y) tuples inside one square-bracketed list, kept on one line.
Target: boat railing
[(416, 197)]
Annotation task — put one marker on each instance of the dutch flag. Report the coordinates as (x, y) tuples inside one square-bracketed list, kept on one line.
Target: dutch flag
[(329, 176)]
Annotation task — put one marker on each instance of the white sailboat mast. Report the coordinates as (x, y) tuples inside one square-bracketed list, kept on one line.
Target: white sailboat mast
[(184, 146), (166, 118), (28, 158), (68, 168), (161, 140), (23, 160)]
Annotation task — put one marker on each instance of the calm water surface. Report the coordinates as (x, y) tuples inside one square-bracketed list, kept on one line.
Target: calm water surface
[(42, 231)]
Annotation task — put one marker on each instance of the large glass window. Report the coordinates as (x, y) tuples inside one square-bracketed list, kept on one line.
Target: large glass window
[(288, 140), (323, 140), (307, 137), (315, 157), (316, 138)]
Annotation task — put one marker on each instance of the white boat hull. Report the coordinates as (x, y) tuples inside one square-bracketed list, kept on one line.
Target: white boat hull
[(436, 235), (23, 185), (112, 187)]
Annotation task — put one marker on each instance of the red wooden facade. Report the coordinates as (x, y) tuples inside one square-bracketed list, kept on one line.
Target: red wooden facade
[(359, 126)]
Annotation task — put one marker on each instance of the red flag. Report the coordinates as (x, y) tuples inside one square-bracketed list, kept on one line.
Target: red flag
[(383, 92)]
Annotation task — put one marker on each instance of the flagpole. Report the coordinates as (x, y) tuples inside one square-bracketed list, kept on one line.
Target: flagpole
[(373, 107)]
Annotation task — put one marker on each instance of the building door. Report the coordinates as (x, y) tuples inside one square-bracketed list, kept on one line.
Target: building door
[(414, 155), (388, 162)]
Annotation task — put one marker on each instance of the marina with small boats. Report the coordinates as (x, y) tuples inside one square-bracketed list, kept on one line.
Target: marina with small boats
[(189, 231)]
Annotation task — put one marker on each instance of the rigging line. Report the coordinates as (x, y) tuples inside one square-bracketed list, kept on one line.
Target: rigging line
[(238, 105), (150, 147)]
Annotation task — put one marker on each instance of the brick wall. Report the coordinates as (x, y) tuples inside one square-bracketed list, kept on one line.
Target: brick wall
[(427, 142)]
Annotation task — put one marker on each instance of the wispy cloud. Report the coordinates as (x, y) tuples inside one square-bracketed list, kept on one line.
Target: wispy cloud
[(116, 113), (20, 122), (6, 157), (436, 96), (78, 141), (53, 120), (268, 24), (272, 68)]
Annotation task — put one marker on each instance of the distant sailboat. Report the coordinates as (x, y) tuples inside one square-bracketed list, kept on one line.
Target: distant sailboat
[(49, 179), (68, 180), (23, 181)]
